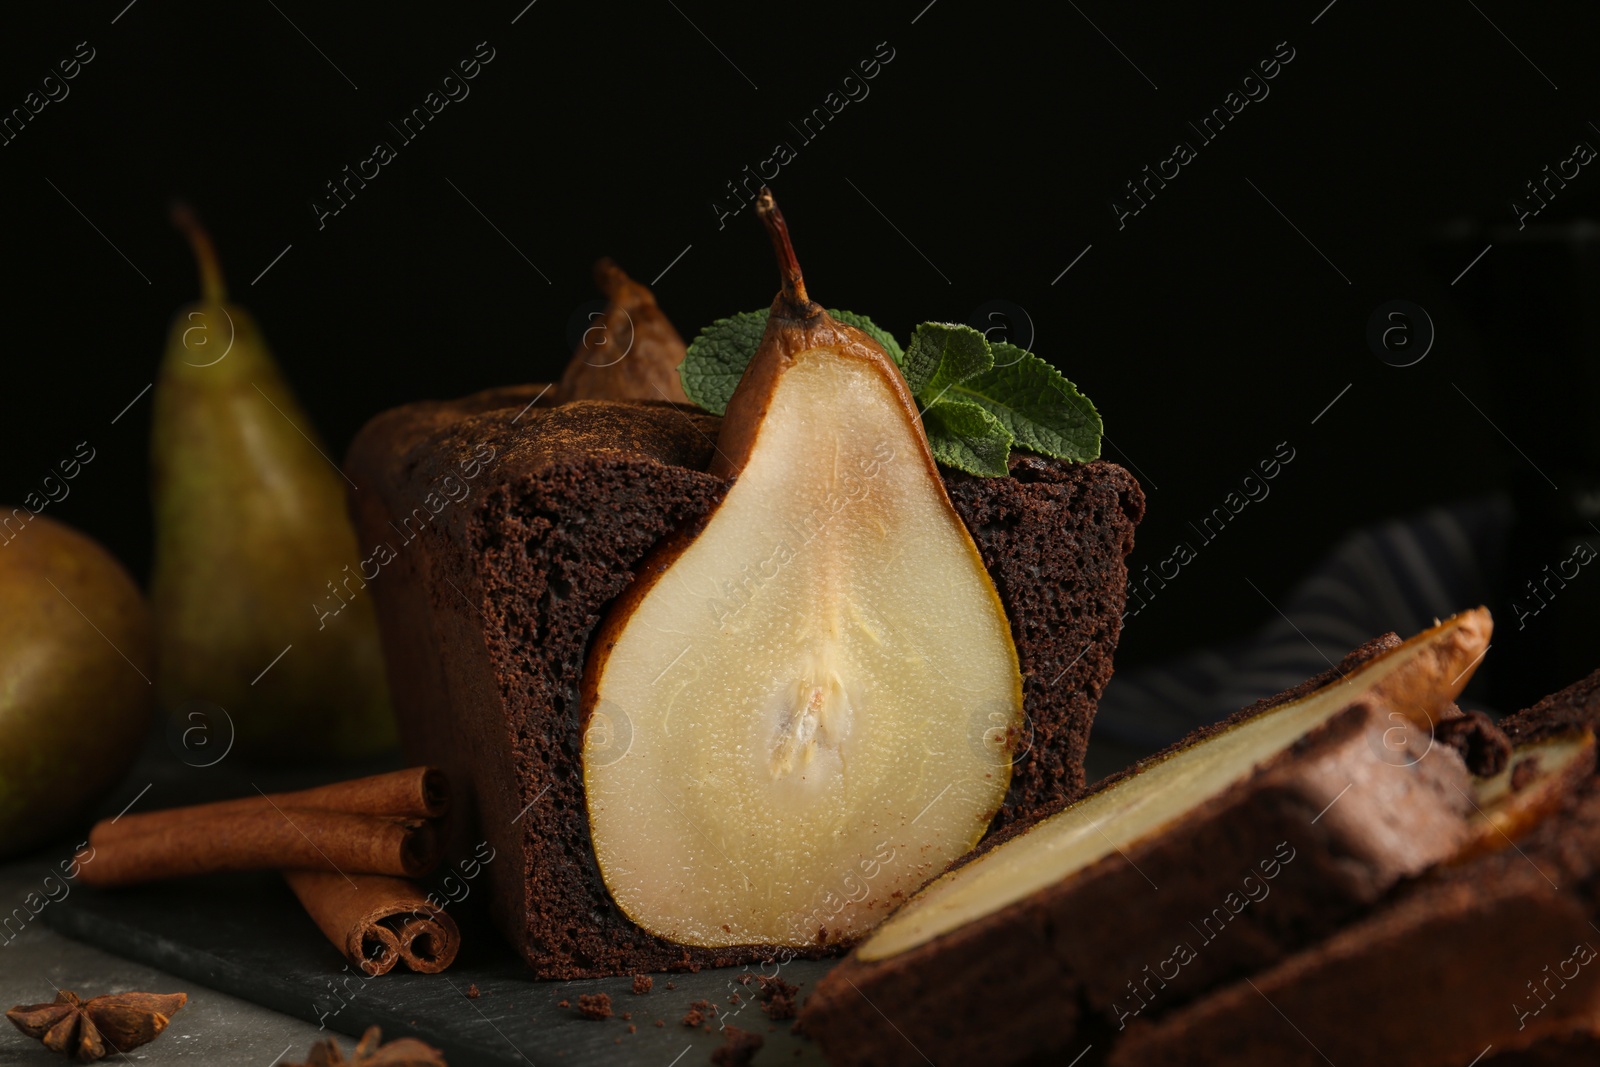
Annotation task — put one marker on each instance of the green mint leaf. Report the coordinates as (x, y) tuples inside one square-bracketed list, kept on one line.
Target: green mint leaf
[(967, 437), (1043, 411), (941, 354), (717, 357)]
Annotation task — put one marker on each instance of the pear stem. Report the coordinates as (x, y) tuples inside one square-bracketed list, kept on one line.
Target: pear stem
[(212, 287), (794, 284)]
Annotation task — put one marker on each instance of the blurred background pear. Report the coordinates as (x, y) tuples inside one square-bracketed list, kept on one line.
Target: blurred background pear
[(259, 604), (75, 704)]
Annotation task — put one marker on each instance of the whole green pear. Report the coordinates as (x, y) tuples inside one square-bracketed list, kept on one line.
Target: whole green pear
[(76, 662), (259, 602)]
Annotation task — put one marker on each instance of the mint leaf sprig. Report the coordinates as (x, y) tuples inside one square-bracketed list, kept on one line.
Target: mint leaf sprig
[(977, 399)]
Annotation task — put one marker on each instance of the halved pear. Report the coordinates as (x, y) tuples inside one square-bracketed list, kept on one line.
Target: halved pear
[(805, 710), (630, 352)]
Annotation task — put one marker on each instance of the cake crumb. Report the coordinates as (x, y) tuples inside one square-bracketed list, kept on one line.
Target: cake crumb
[(777, 998), (642, 984), (595, 1005), (738, 1049), (564, 1004), (627, 1015), (661, 1022), (473, 993), (671, 984), (733, 998), (632, 1029), (700, 1011)]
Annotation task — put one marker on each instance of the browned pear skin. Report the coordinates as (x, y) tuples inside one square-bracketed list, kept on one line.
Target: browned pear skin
[(631, 353), (251, 529), (73, 711)]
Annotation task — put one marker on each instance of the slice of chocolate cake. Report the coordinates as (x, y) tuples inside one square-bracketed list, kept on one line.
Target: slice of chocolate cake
[(1494, 955), (1242, 843), (498, 530)]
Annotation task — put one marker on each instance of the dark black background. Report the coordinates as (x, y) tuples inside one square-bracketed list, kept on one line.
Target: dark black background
[(1207, 331)]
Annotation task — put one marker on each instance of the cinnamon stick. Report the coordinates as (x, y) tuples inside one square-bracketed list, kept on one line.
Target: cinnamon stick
[(184, 843), (414, 793), (429, 945), (378, 921)]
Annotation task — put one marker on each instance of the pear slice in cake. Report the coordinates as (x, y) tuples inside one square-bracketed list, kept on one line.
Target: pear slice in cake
[(805, 710)]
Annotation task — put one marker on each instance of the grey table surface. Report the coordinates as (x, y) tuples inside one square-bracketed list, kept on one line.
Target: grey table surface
[(212, 1028), (216, 1027)]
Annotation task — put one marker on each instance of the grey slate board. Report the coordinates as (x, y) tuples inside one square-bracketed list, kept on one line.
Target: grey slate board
[(247, 935)]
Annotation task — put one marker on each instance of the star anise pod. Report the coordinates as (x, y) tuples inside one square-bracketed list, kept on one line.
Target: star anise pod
[(93, 1029), (369, 1052)]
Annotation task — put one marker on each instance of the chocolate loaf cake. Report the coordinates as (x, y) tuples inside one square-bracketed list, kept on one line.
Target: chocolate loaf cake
[(500, 527), (1491, 955), (1251, 870)]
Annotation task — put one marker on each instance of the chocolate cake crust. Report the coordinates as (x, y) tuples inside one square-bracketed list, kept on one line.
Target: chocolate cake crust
[(1578, 705), (1577, 1046), (487, 608)]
